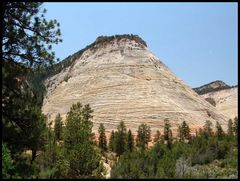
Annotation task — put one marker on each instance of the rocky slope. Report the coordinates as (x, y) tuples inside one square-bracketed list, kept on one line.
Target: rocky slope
[(212, 86), (221, 96), (226, 101), (123, 81)]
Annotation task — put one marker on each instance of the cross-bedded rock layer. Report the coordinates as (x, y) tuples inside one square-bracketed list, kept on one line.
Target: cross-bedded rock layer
[(123, 81)]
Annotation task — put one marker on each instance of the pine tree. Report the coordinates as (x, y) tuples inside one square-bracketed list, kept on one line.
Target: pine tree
[(184, 131), (102, 140), (121, 138), (26, 43), (230, 128), (167, 133), (130, 141), (80, 151), (27, 34), (180, 133), (219, 130), (235, 126), (157, 136), (50, 153), (207, 129), (58, 127), (144, 135), (111, 144)]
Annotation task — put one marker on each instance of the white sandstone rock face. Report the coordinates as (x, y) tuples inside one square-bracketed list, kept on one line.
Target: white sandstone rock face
[(226, 101), (123, 81)]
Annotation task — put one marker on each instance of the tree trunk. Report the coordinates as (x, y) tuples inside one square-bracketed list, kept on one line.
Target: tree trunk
[(34, 155)]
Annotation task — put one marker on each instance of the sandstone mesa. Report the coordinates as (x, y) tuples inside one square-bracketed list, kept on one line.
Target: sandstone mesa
[(123, 80)]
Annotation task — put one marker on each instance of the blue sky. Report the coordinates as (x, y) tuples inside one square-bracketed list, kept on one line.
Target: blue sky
[(197, 41)]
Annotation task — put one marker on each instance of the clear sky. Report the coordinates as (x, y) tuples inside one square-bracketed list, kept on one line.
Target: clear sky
[(197, 41)]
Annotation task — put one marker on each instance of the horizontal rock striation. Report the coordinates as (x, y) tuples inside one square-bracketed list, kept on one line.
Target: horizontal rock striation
[(123, 81)]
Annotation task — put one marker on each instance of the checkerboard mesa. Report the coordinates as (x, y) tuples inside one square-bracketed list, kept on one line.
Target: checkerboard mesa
[(123, 80)]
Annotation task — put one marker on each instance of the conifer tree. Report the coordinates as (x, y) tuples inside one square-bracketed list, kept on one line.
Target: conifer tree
[(207, 129), (80, 150), (184, 131), (58, 127), (102, 140), (111, 144), (167, 133), (235, 126), (121, 139), (130, 141), (27, 39), (144, 135), (230, 128), (219, 130), (27, 32)]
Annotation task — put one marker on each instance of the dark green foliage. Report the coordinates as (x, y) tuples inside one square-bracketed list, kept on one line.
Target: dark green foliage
[(207, 129), (111, 143), (80, 152), (46, 161), (184, 132), (129, 166), (102, 140), (166, 167), (167, 133), (6, 162), (58, 126), (230, 128), (202, 157), (66, 78), (36, 131), (83, 160), (130, 141), (219, 131), (235, 126), (50, 147), (28, 37), (78, 125), (27, 42), (121, 138), (8, 170), (23, 128), (143, 137)]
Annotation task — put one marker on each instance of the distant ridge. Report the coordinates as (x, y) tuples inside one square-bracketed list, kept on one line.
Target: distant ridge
[(212, 86)]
